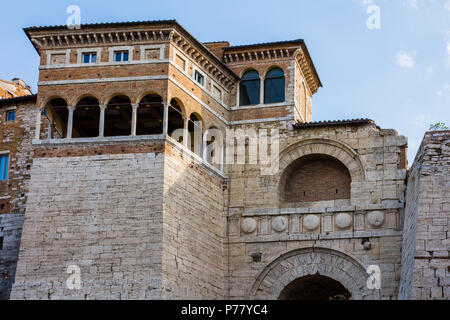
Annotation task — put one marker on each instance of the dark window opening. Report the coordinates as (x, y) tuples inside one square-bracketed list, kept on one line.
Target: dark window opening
[(118, 116), (315, 287), (176, 118), (1, 243), (86, 118), (150, 116), (195, 129), (249, 89), (274, 86), (90, 57), (4, 162), (121, 56), (199, 78), (10, 115)]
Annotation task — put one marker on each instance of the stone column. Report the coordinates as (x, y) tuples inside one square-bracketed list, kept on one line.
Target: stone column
[(49, 131), (134, 120), (166, 119), (101, 127), (70, 122), (38, 124), (186, 133), (261, 91), (222, 157)]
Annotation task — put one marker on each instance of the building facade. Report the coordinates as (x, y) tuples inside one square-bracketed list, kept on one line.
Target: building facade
[(166, 168)]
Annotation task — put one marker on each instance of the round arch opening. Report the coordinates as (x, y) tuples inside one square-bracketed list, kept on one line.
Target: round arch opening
[(315, 288)]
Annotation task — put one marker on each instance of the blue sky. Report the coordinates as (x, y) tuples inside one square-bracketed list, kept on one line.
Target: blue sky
[(398, 75)]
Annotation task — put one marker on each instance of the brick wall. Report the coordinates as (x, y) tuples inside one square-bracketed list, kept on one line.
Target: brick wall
[(425, 259), (16, 139), (317, 180)]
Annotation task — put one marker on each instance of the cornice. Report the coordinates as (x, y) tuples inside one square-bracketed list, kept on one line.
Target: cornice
[(81, 38)]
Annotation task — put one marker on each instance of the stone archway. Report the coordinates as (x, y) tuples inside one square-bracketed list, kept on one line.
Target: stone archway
[(339, 267)]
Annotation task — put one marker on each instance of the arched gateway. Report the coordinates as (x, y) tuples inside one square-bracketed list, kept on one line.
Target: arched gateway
[(313, 273)]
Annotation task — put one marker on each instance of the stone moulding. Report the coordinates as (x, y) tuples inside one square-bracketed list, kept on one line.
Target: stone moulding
[(298, 263)]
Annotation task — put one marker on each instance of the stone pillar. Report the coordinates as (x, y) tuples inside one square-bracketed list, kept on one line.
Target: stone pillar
[(261, 91), (222, 157), (186, 133), (49, 131), (134, 120), (101, 127), (166, 119), (38, 124), (70, 122)]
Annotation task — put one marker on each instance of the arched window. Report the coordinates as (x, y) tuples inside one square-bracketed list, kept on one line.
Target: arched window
[(118, 117), (274, 86), (176, 117), (195, 129), (57, 114), (150, 115), (86, 118), (249, 89)]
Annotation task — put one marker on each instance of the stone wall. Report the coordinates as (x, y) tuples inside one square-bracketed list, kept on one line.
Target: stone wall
[(101, 213), (366, 228), (10, 233), (194, 230), (425, 259)]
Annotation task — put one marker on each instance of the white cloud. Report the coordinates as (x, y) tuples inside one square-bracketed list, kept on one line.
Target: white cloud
[(447, 5), (364, 2), (448, 55), (413, 4), (422, 120), (405, 60)]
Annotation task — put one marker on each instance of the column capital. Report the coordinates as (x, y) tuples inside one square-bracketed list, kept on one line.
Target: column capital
[(71, 108), (102, 107), (135, 105)]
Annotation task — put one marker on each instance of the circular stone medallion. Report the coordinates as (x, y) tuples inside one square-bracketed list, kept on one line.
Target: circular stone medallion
[(279, 224), (249, 225), (311, 222), (376, 218), (343, 220)]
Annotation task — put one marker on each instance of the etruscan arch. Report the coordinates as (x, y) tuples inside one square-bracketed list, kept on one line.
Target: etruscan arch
[(273, 281)]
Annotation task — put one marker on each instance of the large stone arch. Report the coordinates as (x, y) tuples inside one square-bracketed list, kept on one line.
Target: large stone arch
[(311, 261), (338, 150)]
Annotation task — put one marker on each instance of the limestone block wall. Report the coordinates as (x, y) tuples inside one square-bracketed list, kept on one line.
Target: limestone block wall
[(102, 213), (425, 259), (10, 233), (194, 258)]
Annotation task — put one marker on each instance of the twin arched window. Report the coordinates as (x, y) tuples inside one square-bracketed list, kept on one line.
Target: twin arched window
[(250, 87)]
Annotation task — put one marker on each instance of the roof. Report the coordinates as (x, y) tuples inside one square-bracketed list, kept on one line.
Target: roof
[(295, 42), (266, 44), (137, 23), (334, 123), (28, 98), (102, 24), (13, 89)]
